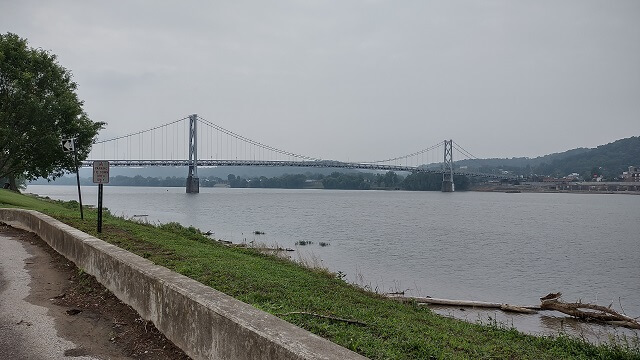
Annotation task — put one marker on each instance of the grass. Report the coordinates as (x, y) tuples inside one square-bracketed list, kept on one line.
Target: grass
[(391, 330)]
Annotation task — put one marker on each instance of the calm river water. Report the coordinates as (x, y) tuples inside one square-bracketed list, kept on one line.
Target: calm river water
[(509, 248)]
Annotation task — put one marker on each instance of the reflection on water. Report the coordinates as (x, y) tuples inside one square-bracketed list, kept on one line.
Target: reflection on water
[(496, 247)]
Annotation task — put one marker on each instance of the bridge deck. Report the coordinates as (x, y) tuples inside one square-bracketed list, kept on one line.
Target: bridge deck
[(275, 163)]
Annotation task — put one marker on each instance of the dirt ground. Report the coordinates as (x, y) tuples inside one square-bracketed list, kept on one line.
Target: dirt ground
[(84, 312)]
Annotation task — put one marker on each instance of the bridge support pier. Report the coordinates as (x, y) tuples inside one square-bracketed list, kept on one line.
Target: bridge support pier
[(447, 174), (193, 182), (193, 185), (448, 186)]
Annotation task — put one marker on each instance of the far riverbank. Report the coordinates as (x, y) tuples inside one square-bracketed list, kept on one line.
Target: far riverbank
[(629, 188)]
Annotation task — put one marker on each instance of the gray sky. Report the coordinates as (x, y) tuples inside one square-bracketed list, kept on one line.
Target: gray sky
[(354, 80)]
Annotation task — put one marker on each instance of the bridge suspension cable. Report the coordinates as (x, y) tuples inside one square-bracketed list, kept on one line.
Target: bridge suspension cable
[(169, 142), (463, 151), (255, 143), (141, 131), (153, 143), (420, 152)]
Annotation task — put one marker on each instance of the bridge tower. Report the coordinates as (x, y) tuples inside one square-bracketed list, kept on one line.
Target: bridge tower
[(193, 182), (447, 174)]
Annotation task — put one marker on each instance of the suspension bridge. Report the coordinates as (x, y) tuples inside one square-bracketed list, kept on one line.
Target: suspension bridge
[(193, 141)]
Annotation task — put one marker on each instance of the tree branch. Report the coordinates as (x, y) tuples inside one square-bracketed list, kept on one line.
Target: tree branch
[(324, 317), (584, 311)]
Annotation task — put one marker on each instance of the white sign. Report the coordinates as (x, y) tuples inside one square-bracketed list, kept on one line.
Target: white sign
[(100, 172), (67, 145)]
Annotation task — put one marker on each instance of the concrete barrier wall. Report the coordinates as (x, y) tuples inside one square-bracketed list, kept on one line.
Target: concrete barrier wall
[(205, 323)]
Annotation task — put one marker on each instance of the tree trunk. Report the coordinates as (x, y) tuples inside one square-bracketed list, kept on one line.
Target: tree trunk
[(13, 186)]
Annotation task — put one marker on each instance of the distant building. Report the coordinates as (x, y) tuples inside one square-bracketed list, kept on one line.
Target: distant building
[(632, 175), (572, 177)]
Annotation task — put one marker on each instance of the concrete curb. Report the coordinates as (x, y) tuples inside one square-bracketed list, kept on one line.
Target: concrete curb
[(203, 322)]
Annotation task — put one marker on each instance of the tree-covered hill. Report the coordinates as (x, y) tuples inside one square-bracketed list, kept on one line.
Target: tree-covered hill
[(609, 160), (520, 162)]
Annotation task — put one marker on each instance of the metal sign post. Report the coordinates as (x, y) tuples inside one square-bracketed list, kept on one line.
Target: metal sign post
[(69, 145), (100, 207), (100, 177)]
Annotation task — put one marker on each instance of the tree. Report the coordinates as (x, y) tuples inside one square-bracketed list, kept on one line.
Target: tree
[(38, 108), (390, 179)]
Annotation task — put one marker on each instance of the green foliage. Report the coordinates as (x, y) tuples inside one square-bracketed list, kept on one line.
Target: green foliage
[(609, 160), (285, 181), (187, 232), (343, 181), (389, 180), (519, 162), (38, 108), (237, 182), (423, 182), (173, 226)]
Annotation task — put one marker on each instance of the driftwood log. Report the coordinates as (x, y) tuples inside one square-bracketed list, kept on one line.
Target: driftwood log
[(584, 311), (523, 309), (589, 312)]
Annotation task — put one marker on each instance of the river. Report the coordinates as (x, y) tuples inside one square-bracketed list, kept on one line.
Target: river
[(498, 247)]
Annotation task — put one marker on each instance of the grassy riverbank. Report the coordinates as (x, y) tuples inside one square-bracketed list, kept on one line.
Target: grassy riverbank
[(389, 330)]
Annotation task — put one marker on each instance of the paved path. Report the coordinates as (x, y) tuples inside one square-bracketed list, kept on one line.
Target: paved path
[(27, 329)]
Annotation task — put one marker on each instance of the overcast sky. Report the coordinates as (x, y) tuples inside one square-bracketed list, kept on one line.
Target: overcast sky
[(354, 80)]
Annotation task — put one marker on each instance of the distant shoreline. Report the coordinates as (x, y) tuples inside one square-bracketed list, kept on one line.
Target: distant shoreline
[(563, 188), (563, 192), (477, 188)]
